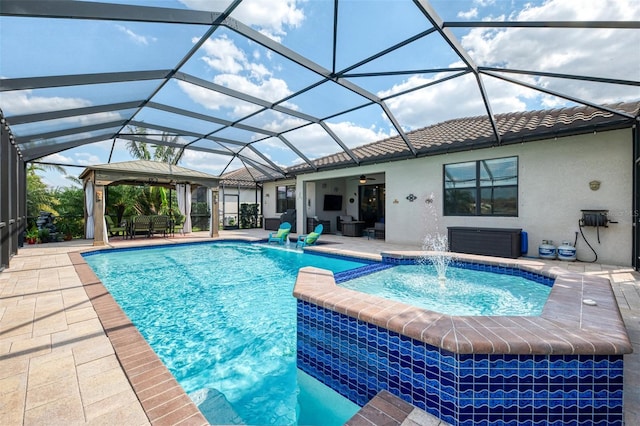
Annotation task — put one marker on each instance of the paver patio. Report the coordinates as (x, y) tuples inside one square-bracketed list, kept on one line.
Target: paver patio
[(60, 364)]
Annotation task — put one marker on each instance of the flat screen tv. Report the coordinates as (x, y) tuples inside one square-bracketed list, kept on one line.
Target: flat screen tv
[(332, 202)]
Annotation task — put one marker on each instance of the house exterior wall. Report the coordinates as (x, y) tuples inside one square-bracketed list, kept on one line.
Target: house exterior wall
[(269, 207), (553, 188)]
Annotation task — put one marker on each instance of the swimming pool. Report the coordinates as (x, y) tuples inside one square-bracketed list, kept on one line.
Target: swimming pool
[(465, 292), (222, 318)]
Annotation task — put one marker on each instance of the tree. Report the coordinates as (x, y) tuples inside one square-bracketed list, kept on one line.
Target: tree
[(153, 199), (39, 198), (70, 220)]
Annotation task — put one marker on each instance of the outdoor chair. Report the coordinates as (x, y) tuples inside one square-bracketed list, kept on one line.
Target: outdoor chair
[(311, 238), (113, 229), (141, 224), (282, 235), (159, 225), (178, 225)]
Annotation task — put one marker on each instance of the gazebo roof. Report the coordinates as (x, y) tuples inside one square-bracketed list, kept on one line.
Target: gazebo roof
[(147, 172)]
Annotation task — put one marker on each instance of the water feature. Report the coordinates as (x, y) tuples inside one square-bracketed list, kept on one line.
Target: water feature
[(436, 244)]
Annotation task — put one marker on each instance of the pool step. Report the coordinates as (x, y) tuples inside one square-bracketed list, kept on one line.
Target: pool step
[(389, 410)]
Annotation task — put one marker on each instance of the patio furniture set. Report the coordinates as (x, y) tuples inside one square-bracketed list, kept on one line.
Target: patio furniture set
[(147, 225)]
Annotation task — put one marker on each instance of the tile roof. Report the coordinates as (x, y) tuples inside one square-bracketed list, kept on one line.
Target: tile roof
[(245, 178), (476, 132)]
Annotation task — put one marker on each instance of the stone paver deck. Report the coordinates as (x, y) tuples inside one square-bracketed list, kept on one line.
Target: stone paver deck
[(69, 356)]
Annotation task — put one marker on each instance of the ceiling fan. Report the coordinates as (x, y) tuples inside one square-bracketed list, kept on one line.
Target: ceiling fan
[(363, 179)]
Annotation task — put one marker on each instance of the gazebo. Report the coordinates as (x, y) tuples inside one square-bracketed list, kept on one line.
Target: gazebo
[(143, 172)]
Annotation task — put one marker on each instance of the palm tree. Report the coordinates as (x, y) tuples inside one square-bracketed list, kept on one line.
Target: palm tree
[(153, 200)]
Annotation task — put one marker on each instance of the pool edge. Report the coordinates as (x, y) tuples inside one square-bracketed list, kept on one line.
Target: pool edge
[(162, 398)]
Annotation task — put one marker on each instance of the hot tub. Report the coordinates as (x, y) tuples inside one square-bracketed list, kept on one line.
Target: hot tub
[(565, 365)]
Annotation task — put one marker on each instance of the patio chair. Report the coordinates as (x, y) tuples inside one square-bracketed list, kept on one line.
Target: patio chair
[(282, 235), (311, 238), (141, 224), (159, 225), (178, 225), (113, 229)]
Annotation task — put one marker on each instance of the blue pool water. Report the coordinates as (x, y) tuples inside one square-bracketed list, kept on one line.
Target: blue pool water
[(222, 318), (465, 292)]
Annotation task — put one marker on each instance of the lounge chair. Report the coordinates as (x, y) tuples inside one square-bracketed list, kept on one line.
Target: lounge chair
[(113, 229), (311, 238), (141, 224), (159, 225), (281, 236)]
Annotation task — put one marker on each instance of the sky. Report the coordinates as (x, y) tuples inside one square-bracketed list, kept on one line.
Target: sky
[(31, 47)]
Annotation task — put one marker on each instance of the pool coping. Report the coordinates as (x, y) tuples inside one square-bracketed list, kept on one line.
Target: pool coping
[(567, 325), (163, 399)]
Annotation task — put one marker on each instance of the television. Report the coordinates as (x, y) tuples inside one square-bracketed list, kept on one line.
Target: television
[(332, 202)]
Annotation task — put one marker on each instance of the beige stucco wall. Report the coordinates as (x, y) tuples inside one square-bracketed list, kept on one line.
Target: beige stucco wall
[(554, 178)]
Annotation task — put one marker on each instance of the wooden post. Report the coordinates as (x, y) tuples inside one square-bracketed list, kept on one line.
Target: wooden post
[(98, 215), (214, 220)]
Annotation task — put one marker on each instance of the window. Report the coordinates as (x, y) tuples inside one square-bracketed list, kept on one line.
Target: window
[(481, 188), (285, 198)]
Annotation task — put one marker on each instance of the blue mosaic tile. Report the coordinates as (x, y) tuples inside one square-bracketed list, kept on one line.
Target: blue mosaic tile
[(358, 360), (350, 274)]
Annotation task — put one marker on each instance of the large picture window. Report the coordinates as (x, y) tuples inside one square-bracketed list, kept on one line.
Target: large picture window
[(285, 198), (481, 188)]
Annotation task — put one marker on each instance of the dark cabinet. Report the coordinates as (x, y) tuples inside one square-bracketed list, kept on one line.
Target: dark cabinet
[(502, 242), (313, 222)]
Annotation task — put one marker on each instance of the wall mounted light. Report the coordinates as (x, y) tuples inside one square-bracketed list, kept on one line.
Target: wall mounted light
[(411, 198)]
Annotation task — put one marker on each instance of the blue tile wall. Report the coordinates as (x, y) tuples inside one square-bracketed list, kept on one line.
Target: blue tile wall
[(359, 359), (350, 274)]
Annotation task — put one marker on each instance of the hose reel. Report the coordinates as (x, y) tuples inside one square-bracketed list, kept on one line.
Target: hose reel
[(595, 218)]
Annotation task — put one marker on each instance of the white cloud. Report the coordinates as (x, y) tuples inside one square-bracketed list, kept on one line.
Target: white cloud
[(136, 38), (455, 98), (86, 158), (204, 161), (596, 52), (353, 135), (223, 55), (272, 17), (57, 158), (24, 102), (472, 13), (484, 3), (238, 73), (570, 51)]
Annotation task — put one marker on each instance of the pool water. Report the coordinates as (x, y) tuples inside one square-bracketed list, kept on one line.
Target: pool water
[(222, 318), (465, 292)]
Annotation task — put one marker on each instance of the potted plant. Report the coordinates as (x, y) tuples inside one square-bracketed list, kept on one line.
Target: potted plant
[(43, 235), (32, 235), (64, 227)]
